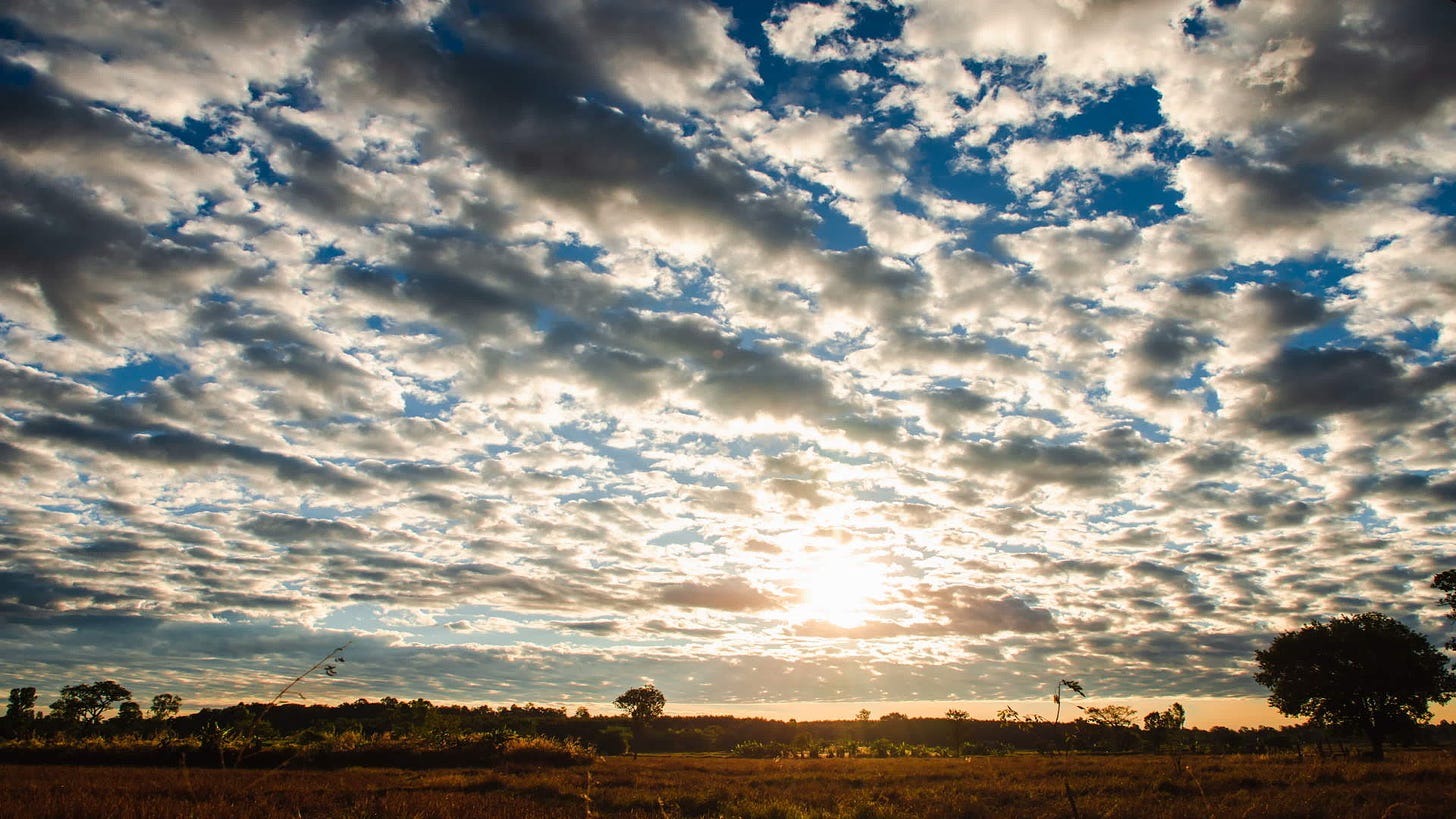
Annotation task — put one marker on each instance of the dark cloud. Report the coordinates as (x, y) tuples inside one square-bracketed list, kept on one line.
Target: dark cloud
[(1100, 461), (181, 448), (948, 610), (550, 122), (728, 594), (1303, 387)]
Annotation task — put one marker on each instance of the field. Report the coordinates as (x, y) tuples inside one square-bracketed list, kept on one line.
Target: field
[(1407, 785)]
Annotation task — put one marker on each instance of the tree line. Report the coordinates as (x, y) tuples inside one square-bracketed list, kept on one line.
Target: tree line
[(1364, 675)]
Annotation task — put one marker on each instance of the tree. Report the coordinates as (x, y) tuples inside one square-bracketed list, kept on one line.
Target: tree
[(1365, 673), (129, 714), (1160, 725), (86, 704), (20, 712), (165, 706), (957, 719), (1111, 716), (643, 704), (1446, 582), (22, 705)]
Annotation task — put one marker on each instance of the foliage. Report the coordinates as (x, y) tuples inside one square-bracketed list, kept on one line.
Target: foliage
[(1365, 673), (165, 706), (643, 704), (86, 704), (1112, 716), (1446, 582)]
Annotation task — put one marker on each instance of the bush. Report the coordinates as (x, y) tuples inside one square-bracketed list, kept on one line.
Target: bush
[(753, 749)]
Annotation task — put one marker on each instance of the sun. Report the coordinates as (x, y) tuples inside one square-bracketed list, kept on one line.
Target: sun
[(839, 589)]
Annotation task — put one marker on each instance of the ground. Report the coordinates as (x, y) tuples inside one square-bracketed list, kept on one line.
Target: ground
[(1412, 784)]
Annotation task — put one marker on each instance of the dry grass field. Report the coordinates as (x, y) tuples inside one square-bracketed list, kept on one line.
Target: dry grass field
[(1414, 784)]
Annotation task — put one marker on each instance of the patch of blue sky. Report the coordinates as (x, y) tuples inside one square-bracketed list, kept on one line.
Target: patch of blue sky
[(841, 346), (354, 618), (1420, 343), (835, 231), (581, 252), (263, 171), (447, 39), (678, 537), (419, 405), (307, 509), (1109, 512), (134, 377), (327, 253), (1131, 107), (209, 136), (296, 93), (1330, 334), (1370, 521), (1442, 198), (1149, 431), (1145, 197)]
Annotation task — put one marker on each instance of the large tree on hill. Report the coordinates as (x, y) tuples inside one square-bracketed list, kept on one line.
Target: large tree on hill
[(1365, 673)]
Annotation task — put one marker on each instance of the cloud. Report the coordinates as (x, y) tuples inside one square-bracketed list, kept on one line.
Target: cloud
[(535, 343), (731, 594)]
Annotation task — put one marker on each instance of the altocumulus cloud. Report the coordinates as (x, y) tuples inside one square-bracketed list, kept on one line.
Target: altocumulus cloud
[(545, 348)]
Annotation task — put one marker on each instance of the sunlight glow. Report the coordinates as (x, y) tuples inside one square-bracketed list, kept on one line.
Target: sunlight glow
[(840, 589)]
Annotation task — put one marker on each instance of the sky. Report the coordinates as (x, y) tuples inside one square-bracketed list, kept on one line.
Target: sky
[(769, 352)]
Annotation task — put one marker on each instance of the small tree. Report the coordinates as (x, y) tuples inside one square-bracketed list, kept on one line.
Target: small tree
[(1365, 673), (957, 719), (128, 715), (1111, 716), (1164, 725), (643, 705), (20, 712), (87, 704), (22, 705), (165, 706)]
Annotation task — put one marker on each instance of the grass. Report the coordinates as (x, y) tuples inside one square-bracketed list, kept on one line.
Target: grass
[(1413, 784)]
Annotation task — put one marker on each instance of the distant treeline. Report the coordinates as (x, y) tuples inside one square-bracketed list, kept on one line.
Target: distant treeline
[(427, 724)]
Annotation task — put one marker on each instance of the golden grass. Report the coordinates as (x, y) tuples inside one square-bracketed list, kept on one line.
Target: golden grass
[(1414, 784)]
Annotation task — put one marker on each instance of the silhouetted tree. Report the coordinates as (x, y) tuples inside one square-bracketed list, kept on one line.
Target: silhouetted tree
[(1111, 716), (1365, 673), (165, 706), (86, 704), (1164, 725), (1446, 582), (129, 715), (957, 719), (643, 705), (20, 712), (22, 705)]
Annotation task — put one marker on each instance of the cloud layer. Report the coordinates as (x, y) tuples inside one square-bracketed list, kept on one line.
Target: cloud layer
[(862, 350)]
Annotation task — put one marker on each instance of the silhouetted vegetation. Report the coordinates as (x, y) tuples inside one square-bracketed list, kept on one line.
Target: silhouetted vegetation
[(1366, 673)]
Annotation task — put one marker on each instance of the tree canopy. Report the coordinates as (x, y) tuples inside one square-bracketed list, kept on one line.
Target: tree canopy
[(87, 703), (1446, 582), (642, 704), (1365, 673)]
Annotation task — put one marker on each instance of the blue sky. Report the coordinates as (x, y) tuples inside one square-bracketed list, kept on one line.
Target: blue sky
[(840, 352)]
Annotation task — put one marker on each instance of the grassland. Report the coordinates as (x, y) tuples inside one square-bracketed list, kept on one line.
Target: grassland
[(1414, 784)]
